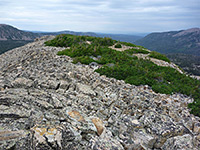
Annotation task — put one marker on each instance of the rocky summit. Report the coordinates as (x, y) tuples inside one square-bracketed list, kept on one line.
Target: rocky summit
[(49, 103)]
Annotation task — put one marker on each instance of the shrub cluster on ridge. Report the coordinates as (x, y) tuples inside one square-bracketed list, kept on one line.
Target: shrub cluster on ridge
[(127, 67)]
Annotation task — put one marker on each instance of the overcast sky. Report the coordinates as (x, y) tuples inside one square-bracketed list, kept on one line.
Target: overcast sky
[(107, 16)]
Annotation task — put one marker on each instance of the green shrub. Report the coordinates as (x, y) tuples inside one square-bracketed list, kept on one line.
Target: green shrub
[(136, 51), (83, 59), (195, 107), (128, 44), (162, 88), (118, 45), (130, 69), (157, 55), (135, 80)]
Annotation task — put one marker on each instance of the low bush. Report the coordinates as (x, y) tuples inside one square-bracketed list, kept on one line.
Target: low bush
[(157, 55), (136, 51), (130, 69), (118, 45), (83, 59), (128, 44)]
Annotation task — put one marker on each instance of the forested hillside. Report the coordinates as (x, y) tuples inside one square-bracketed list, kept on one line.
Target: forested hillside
[(184, 41), (189, 63)]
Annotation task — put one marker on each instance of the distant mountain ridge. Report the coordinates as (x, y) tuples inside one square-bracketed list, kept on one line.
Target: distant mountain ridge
[(11, 37), (8, 32), (184, 41)]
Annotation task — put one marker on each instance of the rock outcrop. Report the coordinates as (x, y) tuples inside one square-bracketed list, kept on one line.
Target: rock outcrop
[(46, 102)]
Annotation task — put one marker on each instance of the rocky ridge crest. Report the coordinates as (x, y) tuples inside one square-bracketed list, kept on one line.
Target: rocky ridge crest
[(46, 102)]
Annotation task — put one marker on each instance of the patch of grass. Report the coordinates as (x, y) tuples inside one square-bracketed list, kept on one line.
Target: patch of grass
[(129, 44), (136, 51), (83, 59), (118, 45), (159, 56), (130, 69), (67, 40)]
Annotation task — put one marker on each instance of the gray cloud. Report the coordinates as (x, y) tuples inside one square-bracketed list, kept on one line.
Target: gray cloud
[(114, 16)]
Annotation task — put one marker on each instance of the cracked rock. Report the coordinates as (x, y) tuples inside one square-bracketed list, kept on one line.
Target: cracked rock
[(48, 103)]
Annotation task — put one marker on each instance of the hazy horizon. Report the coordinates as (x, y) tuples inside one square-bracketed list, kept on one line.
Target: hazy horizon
[(105, 16)]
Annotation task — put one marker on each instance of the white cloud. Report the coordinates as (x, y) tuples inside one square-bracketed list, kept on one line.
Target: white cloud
[(117, 16)]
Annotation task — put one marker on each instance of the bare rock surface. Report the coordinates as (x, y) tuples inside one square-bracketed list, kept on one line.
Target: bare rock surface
[(48, 103)]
